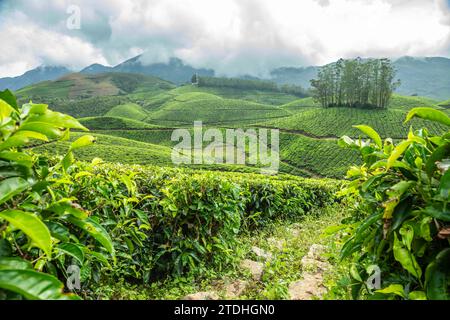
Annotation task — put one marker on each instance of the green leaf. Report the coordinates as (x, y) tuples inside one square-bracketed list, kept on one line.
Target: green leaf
[(18, 157), (56, 119), (32, 226), (406, 258), (10, 263), (96, 231), (82, 142), (437, 155), (32, 285), (417, 295), (44, 128), (9, 98), (372, 134), (73, 250), (429, 114), (438, 211), (437, 277), (12, 187), (407, 233), (396, 289), (5, 110), (355, 273), (397, 152)]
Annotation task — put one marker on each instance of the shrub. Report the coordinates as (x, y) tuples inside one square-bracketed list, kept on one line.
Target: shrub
[(41, 224), (402, 218)]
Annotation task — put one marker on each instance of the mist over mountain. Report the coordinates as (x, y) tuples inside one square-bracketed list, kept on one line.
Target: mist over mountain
[(428, 77), (175, 70), (39, 74)]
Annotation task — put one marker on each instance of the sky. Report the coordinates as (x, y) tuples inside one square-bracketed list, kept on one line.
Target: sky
[(234, 37)]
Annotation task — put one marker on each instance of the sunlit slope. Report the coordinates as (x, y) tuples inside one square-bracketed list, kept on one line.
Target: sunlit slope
[(82, 86), (114, 149), (336, 122), (211, 109), (113, 123)]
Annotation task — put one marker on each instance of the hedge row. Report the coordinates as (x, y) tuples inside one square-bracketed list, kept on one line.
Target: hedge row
[(165, 220)]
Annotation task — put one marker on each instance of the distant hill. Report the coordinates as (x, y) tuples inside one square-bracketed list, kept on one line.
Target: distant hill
[(175, 71), (84, 86), (39, 74), (429, 77), (96, 68)]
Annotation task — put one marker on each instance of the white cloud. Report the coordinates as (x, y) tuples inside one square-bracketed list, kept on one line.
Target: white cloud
[(231, 36)]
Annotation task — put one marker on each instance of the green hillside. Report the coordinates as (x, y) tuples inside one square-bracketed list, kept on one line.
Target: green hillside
[(129, 111), (132, 114), (113, 149), (212, 109), (336, 122), (98, 123), (83, 86)]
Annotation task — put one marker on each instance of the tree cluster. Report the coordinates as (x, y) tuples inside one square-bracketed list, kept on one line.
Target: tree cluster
[(246, 84), (355, 83)]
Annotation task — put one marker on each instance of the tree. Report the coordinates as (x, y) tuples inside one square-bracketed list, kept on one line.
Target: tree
[(355, 83)]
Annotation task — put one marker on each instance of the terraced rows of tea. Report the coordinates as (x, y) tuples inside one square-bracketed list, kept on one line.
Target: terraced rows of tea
[(134, 119)]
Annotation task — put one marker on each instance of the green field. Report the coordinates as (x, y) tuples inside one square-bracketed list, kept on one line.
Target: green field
[(134, 117)]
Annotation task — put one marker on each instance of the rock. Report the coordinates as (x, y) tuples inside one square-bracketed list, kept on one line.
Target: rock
[(277, 243), (313, 264), (317, 251), (261, 253), (255, 268), (308, 288), (295, 232), (235, 289), (202, 296)]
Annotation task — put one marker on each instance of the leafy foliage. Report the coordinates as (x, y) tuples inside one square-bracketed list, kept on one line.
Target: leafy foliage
[(38, 218), (401, 222)]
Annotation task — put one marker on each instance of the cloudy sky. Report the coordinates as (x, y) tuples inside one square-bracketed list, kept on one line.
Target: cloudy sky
[(232, 36)]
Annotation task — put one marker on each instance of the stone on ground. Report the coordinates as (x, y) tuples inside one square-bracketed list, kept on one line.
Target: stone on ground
[(255, 268), (277, 243), (235, 289), (308, 288), (202, 296), (261, 253)]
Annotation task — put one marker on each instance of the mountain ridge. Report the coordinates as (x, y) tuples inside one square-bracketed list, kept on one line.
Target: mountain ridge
[(423, 76)]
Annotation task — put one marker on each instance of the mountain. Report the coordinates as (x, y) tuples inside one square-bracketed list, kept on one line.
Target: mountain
[(84, 86), (175, 71), (96, 68), (39, 74), (429, 77), (298, 76)]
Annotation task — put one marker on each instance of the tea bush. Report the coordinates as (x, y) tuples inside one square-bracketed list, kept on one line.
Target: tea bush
[(42, 226), (401, 222), (168, 220)]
